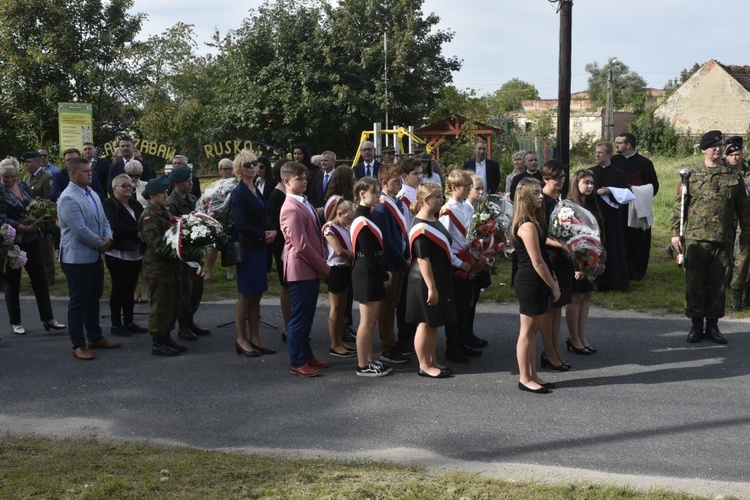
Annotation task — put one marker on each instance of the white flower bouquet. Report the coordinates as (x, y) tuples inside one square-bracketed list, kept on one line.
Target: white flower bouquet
[(577, 228), (215, 200), (488, 233), (191, 236)]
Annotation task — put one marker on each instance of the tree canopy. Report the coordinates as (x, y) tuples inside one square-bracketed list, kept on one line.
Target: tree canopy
[(628, 87)]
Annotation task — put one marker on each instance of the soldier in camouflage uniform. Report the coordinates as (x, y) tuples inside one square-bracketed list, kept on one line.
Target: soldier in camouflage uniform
[(161, 268), (182, 202), (716, 197), (733, 156)]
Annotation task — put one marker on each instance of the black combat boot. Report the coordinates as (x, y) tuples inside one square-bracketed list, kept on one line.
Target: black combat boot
[(160, 348), (696, 331), (174, 345), (185, 334), (737, 300), (712, 331), (197, 329)]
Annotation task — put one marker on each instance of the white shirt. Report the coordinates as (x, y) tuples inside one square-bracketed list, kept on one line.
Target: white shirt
[(463, 212), (481, 170), (333, 259)]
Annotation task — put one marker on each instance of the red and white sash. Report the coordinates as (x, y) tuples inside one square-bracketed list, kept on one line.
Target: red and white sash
[(338, 233), (395, 212), (359, 224), (420, 228), (330, 205), (454, 219)]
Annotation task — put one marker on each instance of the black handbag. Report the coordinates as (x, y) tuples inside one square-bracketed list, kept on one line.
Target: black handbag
[(232, 253)]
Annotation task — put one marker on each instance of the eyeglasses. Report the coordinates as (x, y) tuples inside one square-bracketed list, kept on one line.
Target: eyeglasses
[(126, 186), (250, 164), (368, 149), (226, 169)]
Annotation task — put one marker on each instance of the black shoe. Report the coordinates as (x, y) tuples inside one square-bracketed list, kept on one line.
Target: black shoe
[(263, 350), (441, 374), (695, 334), (570, 347), (185, 334), (542, 390), (241, 350), (350, 334), (202, 332), (477, 343), (546, 363), (737, 300), (472, 353), (712, 332), (456, 355), (133, 328), (406, 348), (394, 356), (119, 331), (160, 348), (174, 345)]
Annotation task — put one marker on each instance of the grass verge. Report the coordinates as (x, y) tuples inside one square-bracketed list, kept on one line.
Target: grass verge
[(35, 467)]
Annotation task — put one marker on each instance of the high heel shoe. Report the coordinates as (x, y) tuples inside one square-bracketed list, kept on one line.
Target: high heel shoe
[(241, 350), (569, 345), (263, 350), (590, 349), (546, 363), (54, 324), (541, 390), (283, 335)]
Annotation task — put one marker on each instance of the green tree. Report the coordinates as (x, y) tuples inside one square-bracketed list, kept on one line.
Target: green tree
[(686, 73), (302, 70), (64, 51), (178, 92), (454, 101), (508, 97), (628, 87)]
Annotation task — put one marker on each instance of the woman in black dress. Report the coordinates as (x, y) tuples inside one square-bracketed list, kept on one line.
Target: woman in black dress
[(533, 282), (429, 292), (561, 264), (577, 312), (369, 275)]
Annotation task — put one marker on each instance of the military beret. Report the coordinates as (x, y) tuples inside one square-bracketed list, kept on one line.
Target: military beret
[(710, 138), (736, 139), (30, 155), (180, 174), (732, 148), (158, 185)]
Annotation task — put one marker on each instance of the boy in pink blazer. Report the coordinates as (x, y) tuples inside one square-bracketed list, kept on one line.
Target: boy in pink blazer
[(304, 266)]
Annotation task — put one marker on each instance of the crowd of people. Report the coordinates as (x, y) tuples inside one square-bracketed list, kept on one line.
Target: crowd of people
[(385, 234)]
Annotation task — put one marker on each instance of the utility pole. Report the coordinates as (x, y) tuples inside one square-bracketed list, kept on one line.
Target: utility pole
[(565, 8), (385, 52), (609, 115)]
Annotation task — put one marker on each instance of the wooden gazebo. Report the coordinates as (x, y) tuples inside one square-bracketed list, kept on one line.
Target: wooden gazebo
[(454, 125)]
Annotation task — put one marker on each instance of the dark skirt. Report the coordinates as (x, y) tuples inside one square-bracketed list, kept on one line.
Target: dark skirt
[(252, 278), (564, 272), (340, 279), (366, 287), (583, 286), (534, 296), (417, 310)]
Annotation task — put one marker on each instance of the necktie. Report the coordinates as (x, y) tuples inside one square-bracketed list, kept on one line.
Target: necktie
[(326, 178), (368, 171)]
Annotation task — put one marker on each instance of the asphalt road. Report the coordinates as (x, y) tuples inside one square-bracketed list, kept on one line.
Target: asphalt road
[(647, 410)]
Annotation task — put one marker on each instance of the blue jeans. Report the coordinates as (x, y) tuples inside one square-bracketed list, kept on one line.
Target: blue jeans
[(85, 284), (304, 298)]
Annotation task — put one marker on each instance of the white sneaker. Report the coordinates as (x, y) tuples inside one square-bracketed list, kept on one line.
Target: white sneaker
[(386, 368), (18, 330)]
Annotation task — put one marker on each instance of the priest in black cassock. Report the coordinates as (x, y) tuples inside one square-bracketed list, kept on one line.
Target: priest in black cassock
[(639, 171), (615, 276)]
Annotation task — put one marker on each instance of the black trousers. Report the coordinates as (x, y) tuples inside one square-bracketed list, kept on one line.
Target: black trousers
[(458, 334), (191, 288), (35, 269), (124, 275)]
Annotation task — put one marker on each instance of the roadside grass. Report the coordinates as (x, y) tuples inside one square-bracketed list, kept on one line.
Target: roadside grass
[(661, 291), (36, 467)]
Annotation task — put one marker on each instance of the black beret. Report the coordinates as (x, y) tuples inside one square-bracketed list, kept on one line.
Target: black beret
[(30, 155), (179, 174), (158, 185), (736, 139), (710, 138), (732, 148)]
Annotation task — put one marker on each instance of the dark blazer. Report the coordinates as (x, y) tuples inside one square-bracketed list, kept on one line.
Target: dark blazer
[(61, 180), (359, 169), (268, 188), (249, 217), (118, 168), (316, 196), (517, 179), (101, 167), (493, 173), (393, 239), (125, 234)]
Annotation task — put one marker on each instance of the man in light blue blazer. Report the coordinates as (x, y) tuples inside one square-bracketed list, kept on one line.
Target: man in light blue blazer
[(85, 237)]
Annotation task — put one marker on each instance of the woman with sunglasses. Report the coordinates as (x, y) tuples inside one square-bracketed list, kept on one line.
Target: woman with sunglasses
[(124, 260)]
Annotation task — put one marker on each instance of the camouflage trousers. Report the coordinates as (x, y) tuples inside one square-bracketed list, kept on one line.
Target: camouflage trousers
[(741, 266), (706, 265), (164, 297)]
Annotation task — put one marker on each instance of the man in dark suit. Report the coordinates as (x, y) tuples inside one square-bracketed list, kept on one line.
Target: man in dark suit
[(98, 165), (327, 164), (531, 160), (128, 153), (369, 166), (487, 169)]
